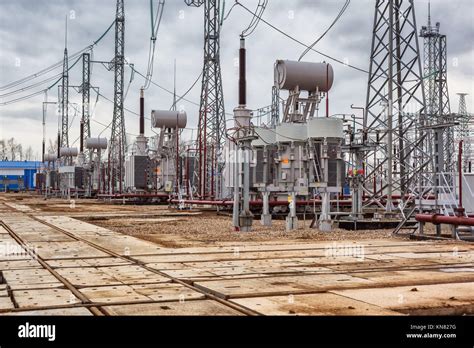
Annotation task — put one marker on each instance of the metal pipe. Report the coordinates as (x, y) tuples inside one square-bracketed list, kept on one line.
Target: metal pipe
[(251, 203), (135, 195), (443, 219)]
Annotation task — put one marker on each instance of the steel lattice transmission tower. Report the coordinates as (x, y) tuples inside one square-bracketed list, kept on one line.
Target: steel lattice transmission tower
[(64, 97), (464, 132), (85, 89), (117, 144), (211, 125), (436, 91), (394, 155)]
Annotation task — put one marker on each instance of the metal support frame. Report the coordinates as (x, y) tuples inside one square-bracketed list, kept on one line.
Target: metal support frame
[(395, 104), (464, 133), (436, 91), (299, 109), (64, 102), (275, 113), (211, 126), (117, 145), (85, 120)]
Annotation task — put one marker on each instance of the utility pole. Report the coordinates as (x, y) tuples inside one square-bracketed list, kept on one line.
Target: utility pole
[(211, 125), (117, 139)]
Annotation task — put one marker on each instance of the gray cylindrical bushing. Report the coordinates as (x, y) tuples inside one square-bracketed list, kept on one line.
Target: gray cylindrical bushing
[(168, 119), (307, 76)]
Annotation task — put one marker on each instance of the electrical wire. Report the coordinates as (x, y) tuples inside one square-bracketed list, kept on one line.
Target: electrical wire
[(186, 93), (12, 101), (262, 4), (132, 74), (126, 109), (302, 43), (31, 86), (55, 65), (339, 15), (106, 126), (163, 88), (224, 17), (155, 25), (171, 92)]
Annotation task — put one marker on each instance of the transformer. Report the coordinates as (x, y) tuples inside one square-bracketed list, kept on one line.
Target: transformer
[(137, 173), (167, 163)]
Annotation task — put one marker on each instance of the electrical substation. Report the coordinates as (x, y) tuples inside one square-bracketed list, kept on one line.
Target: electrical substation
[(343, 212)]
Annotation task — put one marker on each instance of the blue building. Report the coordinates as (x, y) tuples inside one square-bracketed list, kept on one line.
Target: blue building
[(18, 175)]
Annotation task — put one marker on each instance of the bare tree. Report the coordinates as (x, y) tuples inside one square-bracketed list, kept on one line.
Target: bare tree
[(53, 147), (3, 150), (11, 146), (19, 151), (29, 154)]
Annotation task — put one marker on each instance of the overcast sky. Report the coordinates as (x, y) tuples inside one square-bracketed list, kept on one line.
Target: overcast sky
[(32, 38)]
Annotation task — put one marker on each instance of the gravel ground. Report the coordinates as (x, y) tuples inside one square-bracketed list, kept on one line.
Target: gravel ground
[(206, 228), (211, 229)]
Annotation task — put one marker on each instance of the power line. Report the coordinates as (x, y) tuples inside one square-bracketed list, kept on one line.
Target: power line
[(225, 16), (189, 90), (262, 5), (161, 87), (171, 92), (155, 25), (12, 101), (55, 65), (31, 86), (126, 109), (302, 43), (341, 12)]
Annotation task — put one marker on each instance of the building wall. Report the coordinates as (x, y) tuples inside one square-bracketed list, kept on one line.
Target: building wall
[(18, 175)]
